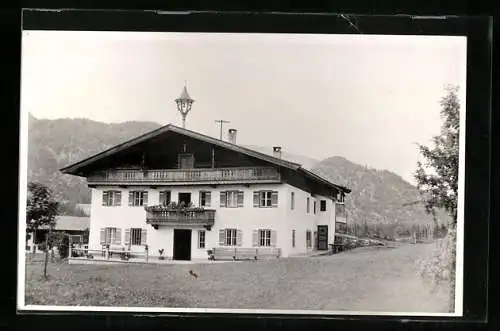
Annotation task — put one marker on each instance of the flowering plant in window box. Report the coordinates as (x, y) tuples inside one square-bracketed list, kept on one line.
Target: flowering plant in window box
[(174, 207)]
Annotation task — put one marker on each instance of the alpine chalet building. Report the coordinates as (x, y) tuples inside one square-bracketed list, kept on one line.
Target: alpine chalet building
[(186, 193)]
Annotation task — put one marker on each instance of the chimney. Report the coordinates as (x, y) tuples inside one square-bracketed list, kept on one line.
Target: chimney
[(232, 136), (277, 151)]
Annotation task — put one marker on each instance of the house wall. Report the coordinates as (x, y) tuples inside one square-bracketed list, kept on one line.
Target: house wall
[(301, 221), (282, 219), (246, 219)]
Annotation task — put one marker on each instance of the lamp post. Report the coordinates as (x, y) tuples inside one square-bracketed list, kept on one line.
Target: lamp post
[(184, 103)]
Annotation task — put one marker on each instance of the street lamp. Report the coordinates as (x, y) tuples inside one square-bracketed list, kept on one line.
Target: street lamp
[(184, 103)]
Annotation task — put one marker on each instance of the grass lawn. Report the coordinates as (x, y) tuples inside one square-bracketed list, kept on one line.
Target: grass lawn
[(365, 279)]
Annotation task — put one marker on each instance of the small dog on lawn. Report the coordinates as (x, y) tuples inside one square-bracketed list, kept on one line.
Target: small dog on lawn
[(192, 273)]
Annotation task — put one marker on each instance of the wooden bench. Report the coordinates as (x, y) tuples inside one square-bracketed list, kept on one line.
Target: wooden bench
[(268, 252), (222, 253), (229, 253)]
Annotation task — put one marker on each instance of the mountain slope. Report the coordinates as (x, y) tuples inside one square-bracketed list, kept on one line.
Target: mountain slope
[(378, 196), (53, 144)]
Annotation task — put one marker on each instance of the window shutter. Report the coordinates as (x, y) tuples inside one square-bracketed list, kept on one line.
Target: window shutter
[(255, 238), (130, 198), (223, 199), (163, 199), (238, 237), (127, 237), (144, 237), (105, 198), (240, 198), (208, 198), (256, 199), (145, 198), (274, 199), (103, 236), (118, 238), (273, 238), (118, 198), (222, 237)]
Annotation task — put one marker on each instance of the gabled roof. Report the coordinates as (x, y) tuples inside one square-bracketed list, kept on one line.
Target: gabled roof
[(70, 223), (73, 169)]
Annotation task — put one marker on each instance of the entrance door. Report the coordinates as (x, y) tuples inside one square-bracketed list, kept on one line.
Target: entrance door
[(185, 197), (322, 237), (182, 244)]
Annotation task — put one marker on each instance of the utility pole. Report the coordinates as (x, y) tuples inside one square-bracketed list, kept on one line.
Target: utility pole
[(221, 122)]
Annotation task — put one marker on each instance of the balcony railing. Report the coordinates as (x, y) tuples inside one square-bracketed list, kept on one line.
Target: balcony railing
[(156, 215), (183, 176)]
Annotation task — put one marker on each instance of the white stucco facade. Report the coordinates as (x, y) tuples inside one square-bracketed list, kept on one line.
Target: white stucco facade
[(283, 219)]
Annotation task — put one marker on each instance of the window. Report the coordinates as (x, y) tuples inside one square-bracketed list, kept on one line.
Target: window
[(110, 236), (292, 200), (205, 198), (165, 198), (308, 203), (231, 199), (265, 199), (265, 238), (314, 207), (135, 236), (138, 198), (322, 205), (111, 198), (308, 239), (293, 238), (230, 237), (340, 198), (201, 239)]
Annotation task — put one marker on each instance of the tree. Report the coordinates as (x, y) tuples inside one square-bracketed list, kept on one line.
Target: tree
[(437, 180), (41, 208)]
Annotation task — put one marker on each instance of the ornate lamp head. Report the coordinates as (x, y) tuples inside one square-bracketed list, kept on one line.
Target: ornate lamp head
[(184, 103)]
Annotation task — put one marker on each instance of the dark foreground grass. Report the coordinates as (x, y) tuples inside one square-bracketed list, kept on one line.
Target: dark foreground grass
[(365, 279)]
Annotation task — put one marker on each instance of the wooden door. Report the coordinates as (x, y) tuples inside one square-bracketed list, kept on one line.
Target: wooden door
[(322, 237)]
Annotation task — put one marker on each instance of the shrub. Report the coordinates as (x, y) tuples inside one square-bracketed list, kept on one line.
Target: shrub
[(440, 267), (60, 240)]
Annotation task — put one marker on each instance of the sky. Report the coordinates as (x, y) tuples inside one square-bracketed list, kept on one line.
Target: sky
[(367, 98)]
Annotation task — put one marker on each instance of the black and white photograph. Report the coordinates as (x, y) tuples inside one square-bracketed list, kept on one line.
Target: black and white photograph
[(242, 172)]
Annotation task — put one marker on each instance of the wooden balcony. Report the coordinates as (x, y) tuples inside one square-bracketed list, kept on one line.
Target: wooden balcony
[(156, 215), (244, 175), (340, 212)]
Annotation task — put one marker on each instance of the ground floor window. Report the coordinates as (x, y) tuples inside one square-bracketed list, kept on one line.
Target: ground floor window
[(201, 239), (231, 237), (308, 239), (293, 238), (265, 238), (110, 235), (135, 236)]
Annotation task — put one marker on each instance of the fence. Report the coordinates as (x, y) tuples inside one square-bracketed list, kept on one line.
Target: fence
[(107, 253)]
